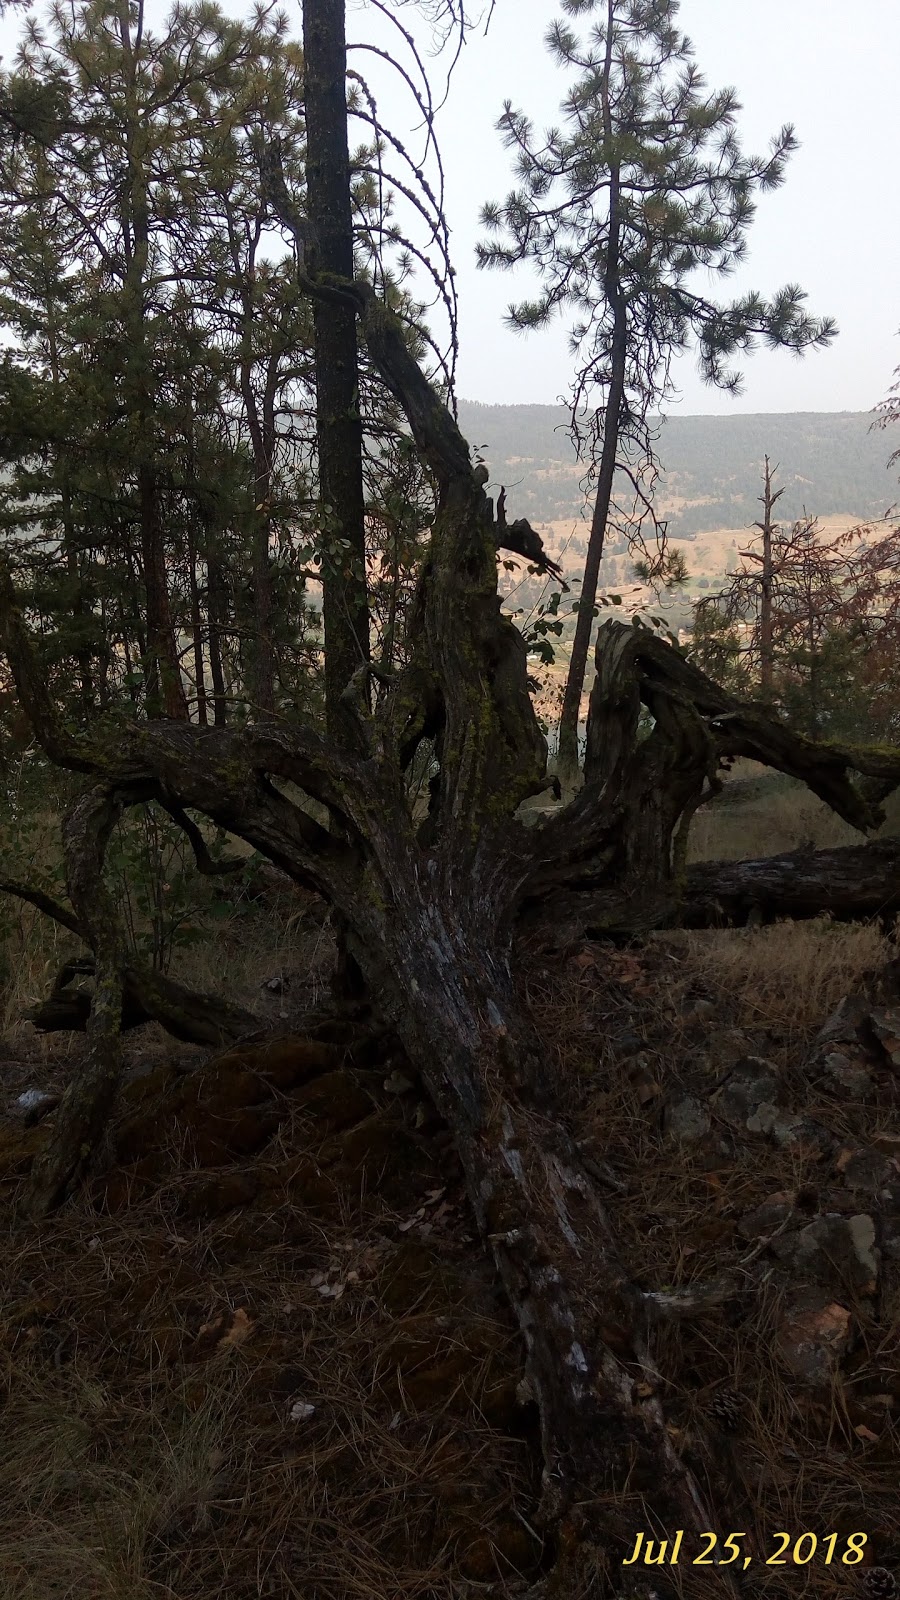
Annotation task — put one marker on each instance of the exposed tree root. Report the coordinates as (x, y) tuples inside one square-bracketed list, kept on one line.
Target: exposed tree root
[(430, 918)]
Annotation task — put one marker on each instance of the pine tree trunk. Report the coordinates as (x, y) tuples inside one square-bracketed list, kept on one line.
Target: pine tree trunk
[(197, 633), (165, 689), (217, 606), (338, 420), (262, 437), (262, 679), (766, 617), (442, 971), (567, 766)]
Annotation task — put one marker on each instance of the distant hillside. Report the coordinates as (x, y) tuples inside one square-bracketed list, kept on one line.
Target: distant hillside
[(830, 463)]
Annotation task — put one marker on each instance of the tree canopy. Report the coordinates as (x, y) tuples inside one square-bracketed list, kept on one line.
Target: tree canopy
[(621, 210)]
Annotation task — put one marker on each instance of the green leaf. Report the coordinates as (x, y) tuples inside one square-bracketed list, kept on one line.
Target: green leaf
[(219, 911)]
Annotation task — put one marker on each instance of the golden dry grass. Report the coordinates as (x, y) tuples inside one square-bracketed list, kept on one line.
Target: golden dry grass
[(31, 953), (761, 814), (790, 975)]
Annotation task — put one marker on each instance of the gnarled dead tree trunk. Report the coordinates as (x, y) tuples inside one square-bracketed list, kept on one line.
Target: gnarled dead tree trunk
[(431, 916)]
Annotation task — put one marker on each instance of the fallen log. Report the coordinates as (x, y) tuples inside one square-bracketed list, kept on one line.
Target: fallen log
[(850, 884), (186, 1014)]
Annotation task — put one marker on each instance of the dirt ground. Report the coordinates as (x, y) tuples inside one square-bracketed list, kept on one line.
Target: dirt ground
[(262, 1353)]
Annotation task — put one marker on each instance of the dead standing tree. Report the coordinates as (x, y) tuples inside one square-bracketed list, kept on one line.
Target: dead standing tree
[(796, 587), (431, 926)]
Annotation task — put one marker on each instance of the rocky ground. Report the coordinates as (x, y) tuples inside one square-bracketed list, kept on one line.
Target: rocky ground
[(262, 1354)]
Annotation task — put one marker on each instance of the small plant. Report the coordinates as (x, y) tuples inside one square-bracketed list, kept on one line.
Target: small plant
[(162, 899)]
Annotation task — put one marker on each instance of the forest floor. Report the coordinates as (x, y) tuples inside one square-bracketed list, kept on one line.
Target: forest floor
[(262, 1353)]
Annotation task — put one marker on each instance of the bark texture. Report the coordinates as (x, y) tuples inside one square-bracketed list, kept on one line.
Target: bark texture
[(850, 884), (431, 914), (338, 420), (81, 1118)]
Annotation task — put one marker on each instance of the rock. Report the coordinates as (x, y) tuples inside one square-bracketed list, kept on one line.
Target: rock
[(35, 1104), (813, 1338), (751, 1085), (726, 1047), (862, 1233), (888, 1142), (846, 1075), (799, 1133), (702, 1011), (833, 1251), (844, 1024), (643, 1080), (686, 1120), (866, 1169), (890, 1239), (885, 1024), (769, 1216), (629, 1043), (398, 1083), (765, 1119)]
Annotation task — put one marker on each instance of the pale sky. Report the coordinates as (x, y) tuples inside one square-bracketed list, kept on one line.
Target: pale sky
[(834, 226)]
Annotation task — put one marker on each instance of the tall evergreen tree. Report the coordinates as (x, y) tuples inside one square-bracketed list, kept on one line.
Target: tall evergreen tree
[(134, 301), (644, 184)]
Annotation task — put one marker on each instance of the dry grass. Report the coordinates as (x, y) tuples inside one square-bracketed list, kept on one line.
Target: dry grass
[(236, 955), (761, 813), (626, 1034), (77, 1519), (241, 955), (31, 953), (788, 976)]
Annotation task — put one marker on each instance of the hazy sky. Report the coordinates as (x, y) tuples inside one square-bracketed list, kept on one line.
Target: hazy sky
[(834, 226)]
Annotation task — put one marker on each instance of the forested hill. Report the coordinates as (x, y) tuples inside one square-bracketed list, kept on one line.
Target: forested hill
[(830, 462)]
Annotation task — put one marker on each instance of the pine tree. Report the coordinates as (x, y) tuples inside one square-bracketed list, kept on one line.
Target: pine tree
[(133, 304), (644, 184)]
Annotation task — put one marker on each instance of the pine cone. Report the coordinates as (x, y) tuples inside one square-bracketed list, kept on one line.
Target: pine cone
[(726, 1410), (879, 1584)]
